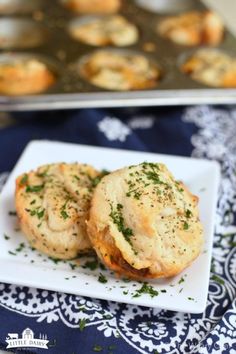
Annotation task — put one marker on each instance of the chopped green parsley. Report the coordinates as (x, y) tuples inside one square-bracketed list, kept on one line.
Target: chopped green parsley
[(24, 180), (94, 181), (40, 214), (20, 247), (102, 279), (217, 279), (188, 213), (64, 214), (118, 220), (12, 253), (97, 348), (72, 265), (186, 226), (34, 189), (55, 260), (181, 280), (77, 177), (92, 265), (36, 212), (82, 324), (44, 173), (146, 289)]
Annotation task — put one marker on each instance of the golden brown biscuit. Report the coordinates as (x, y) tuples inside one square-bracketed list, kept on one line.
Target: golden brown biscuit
[(93, 6), (106, 30), (120, 71), (143, 223), (211, 67), (52, 205), (23, 77), (193, 28)]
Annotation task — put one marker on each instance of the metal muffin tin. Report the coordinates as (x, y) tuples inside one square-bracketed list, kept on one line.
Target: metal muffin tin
[(50, 39)]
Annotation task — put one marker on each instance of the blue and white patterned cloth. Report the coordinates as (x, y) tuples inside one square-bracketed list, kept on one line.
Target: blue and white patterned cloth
[(200, 131)]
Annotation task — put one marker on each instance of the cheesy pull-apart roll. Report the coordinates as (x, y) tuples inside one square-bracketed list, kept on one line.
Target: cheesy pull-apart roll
[(52, 205), (93, 6), (25, 76), (114, 70), (193, 28), (211, 67), (106, 30), (143, 223)]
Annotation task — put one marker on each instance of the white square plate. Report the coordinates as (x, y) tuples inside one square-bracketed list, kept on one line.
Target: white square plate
[(19, 264)]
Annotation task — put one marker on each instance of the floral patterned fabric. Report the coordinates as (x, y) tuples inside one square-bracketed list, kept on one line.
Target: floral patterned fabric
[(74, 324)]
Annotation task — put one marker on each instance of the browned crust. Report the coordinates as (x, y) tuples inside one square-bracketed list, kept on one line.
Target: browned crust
[(113, 259)]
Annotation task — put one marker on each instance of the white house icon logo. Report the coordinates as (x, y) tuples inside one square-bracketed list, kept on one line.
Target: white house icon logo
[(27, 340)]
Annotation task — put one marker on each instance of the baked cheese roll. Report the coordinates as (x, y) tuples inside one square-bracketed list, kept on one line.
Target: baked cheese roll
[(93, 6), (211, 67), (52, 205), (121, 71), (25, 76), (193, 28), (143, 223), (105, 30)]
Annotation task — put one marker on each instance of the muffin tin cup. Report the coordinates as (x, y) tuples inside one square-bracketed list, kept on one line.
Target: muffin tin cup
[(183, 58), (19, 7), (21, 33), (167, 6), (126, 52), (71, 90)]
